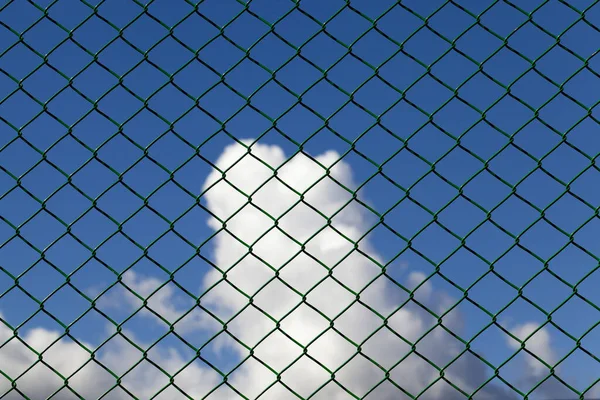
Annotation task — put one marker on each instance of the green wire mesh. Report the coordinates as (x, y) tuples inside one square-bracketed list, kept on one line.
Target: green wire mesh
[(276, 68)]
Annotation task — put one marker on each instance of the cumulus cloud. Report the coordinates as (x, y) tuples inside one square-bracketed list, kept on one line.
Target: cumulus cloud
[(537, 342), (538, 351), (64, 359), (161, 302), (312, 309)]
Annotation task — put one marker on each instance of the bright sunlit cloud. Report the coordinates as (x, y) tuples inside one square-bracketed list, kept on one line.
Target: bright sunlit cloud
[(300, 317)]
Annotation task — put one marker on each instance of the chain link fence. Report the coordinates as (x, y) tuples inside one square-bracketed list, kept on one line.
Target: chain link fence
[(309, 199)]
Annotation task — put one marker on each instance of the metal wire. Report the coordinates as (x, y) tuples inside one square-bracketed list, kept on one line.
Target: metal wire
[(24, 89)]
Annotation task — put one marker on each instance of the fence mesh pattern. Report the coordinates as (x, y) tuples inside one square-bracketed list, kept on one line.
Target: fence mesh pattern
[(284, 199)]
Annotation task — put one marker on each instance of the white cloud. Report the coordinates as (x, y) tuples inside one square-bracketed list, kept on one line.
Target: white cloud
[(40, 381), (538, 345), (305, 315), (87, 377), (161, 300), (325, 293)]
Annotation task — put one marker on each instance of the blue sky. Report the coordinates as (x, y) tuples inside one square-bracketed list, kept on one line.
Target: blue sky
[(432, 112)]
